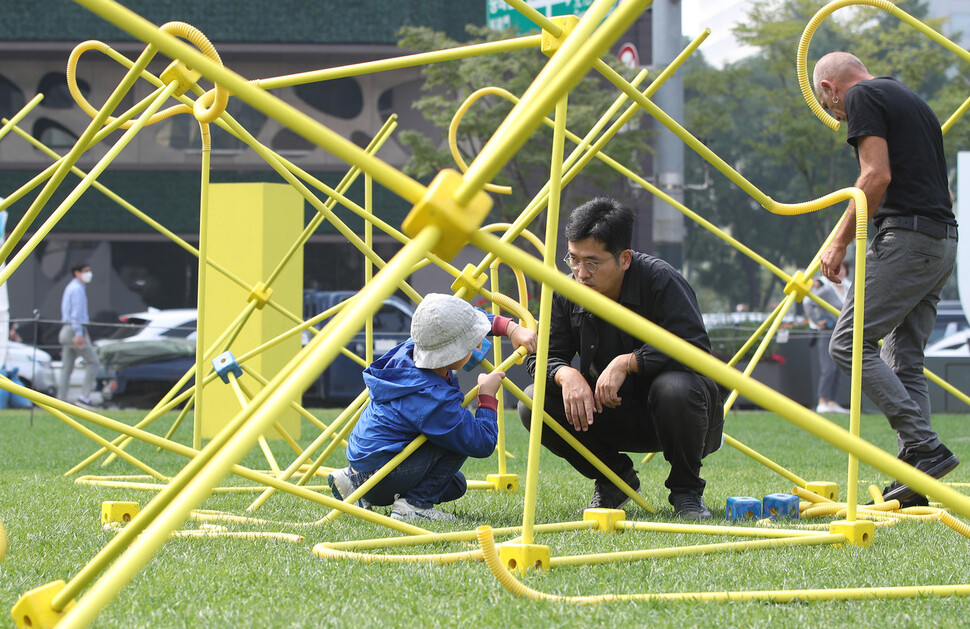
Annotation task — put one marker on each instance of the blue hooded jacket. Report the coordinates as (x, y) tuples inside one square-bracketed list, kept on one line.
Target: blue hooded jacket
[(407, 401)]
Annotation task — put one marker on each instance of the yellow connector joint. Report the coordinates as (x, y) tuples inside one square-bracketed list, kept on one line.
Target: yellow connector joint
[(607, 519), (34, 609), (551, 43), (824, 489), (457, 223), (858, 533), (118, 511), (520, 558), (469, 281), (261, 294), (800, 285), (181, 73), (503, 482)]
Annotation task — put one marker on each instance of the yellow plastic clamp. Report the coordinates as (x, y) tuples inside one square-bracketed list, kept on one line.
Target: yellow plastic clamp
[(858, 533), (824, 488), (503, 482), (118, 511), (469, 281), (551, 43), (520, 558), (606, 518), (800, 285), (34, 609), (178, 71), (437, 207), (261, 294)]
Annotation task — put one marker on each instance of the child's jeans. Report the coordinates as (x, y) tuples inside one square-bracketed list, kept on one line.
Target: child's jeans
[(428, 477)]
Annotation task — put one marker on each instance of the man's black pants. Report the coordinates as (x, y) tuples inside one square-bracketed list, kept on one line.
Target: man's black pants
[(681, 415)]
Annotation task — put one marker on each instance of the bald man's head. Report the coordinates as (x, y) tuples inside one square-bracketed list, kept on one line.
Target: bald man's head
[(840, 68)]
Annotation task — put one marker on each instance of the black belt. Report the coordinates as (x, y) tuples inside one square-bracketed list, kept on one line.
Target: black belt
[(921, 224)]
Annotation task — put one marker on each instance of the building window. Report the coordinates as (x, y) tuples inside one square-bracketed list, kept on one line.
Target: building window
[(340, 98), (53, 134), (53, 86), (288, 142), (11, 97)]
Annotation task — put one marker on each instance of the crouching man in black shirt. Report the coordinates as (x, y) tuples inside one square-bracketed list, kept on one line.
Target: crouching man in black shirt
[(627, 396)]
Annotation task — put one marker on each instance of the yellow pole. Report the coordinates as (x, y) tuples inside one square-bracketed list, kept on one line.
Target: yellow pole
[(563, 71), (198, 480), (273, 107), (545, 314)]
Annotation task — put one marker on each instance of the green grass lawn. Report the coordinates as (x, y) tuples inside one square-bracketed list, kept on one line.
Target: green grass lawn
[(53, 528)]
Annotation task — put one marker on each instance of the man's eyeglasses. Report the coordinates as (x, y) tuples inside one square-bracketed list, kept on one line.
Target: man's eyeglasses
[(574, 264)]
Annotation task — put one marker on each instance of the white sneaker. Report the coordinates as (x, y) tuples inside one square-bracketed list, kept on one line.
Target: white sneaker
[(835, 407), (342, 487), (404, 510), (822, 408)]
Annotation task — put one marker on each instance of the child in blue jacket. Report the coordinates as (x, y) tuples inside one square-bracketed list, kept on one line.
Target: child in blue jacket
[(414, 392)]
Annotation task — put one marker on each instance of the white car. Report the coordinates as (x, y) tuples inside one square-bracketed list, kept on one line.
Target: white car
[(154, 324), (955, 344), (33, 366)]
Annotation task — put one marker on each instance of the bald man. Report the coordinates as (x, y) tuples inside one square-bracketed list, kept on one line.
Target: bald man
[(902, 171)]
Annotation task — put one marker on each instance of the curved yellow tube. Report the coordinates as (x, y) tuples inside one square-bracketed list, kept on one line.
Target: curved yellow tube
[(453, 134), (801, 55), (206, 109)]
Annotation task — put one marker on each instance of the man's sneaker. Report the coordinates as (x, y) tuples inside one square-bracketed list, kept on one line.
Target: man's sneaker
[(690, 506), (84, 402), (937, 463), (341, 486), (606, 495), (404, 510)]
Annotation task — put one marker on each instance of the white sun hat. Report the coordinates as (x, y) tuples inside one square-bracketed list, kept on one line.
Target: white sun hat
[(445, 329)]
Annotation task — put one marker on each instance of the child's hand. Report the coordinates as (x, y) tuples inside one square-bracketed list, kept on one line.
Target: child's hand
[(524, 337), (488, 383)]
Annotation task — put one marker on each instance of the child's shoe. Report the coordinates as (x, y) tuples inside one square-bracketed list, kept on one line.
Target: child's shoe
[(404, 510), (342, 487)]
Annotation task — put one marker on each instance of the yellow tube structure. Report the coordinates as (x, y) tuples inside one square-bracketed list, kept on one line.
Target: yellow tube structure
[(801, 54), (517, 588)]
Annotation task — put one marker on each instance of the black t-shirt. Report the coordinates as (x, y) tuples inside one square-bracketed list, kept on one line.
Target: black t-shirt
[(886, 108)]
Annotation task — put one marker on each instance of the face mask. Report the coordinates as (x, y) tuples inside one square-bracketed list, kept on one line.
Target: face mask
[(86, 277)]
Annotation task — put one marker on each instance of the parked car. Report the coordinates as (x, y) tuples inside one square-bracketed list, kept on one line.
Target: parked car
[(146, 359), (153, 324), (343, 380), (33, 365), (950, 319), (139, 373)]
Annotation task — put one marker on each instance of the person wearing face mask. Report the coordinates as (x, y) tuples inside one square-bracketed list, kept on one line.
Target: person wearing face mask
[(74, 337)]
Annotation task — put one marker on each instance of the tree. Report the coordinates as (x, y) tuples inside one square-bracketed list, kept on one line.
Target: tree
[(753, 115), (447, 85)]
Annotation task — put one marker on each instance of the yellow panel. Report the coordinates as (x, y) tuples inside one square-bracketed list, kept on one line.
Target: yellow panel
[(251, 227)]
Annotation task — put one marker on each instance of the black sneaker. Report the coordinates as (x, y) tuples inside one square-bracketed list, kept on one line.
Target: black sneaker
[(606, 495), (689, 505), (937, 463)]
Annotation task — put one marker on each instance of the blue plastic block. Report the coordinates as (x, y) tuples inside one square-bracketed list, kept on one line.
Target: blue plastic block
[(777, 506), (478, 355), (743, 508), (225, 364)]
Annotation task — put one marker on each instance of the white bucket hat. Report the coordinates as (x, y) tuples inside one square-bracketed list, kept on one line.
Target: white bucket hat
[(445, 329)]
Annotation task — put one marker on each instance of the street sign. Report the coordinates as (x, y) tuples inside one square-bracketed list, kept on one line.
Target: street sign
[(501, 16), (629, 56)]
